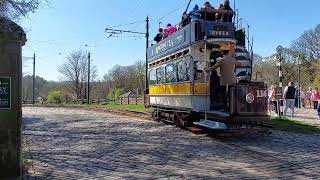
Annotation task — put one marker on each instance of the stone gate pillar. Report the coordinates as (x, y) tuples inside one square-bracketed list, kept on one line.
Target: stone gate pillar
[(12, 38)]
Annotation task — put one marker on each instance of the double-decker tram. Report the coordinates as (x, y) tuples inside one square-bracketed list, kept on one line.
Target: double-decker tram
[(184, 92)]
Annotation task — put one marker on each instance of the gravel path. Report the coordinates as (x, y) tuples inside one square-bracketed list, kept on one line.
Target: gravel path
[(79, 144)]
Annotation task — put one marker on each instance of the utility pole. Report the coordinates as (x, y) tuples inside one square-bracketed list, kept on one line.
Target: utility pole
[(146, 68), (88, 82), (299, 83), (34, 78)]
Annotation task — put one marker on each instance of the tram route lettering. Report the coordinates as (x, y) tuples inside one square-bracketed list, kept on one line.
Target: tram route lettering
[(170, 43)]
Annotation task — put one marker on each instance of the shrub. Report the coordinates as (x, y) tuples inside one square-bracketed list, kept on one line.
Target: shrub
[(55, 97)]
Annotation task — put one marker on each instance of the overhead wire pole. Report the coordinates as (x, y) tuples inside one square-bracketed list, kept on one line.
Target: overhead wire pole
[(34, 78), (88, 83), (146, 68)]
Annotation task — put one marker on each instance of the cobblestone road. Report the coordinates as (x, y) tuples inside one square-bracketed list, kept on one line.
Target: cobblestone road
[(79, 144)]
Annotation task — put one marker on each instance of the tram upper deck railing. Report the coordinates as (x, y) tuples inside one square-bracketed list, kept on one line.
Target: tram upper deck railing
[(192, 33)]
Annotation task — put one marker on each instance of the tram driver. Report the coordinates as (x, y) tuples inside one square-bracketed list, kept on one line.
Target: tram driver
[(227, 66)]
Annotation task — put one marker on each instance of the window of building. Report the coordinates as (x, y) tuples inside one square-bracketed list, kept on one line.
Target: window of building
[(171, 73), (152, 77), (161, 79)]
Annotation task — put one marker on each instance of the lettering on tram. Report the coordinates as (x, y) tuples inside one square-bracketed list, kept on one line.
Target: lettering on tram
[(199, 74)]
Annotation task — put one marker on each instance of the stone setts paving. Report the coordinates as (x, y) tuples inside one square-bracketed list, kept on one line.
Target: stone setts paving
[(79, 144)]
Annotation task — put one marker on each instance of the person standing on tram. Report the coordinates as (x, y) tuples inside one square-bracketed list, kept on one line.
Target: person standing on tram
[(195, 13), (227, 67), (226, 17)]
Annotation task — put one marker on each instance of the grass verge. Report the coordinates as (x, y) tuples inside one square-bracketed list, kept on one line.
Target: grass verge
[(291, 125), (127, 107)]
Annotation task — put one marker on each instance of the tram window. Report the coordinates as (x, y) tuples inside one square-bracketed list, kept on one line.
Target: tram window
[(152, 77), (171, 73), (161, 79), (183, 70)]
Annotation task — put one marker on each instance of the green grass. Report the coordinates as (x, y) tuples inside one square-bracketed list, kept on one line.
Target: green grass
[(127, 107), (290, 125)]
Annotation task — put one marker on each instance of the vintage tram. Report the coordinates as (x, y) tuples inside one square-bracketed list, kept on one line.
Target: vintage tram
[(182, 91)]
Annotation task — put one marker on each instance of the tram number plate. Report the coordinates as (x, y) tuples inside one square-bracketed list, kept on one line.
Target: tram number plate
[(262, 93), (220, 33)]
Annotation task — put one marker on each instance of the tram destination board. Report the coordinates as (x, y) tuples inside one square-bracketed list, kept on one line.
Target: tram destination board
[(5, 93)]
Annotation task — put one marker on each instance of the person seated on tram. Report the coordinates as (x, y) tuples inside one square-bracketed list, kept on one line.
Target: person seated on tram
[(184, 20), (218, 16), (171, 29), (159, 36), (226, 17), (195, 13), (165, 33)]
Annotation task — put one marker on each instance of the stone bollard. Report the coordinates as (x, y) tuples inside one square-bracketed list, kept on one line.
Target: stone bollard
[(12, 38)]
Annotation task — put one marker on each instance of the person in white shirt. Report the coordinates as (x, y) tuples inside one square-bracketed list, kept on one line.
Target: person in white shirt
[(302, 98)]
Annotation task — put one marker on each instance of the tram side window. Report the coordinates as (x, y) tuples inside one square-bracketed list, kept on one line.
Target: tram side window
[(152, 77), (171, 73), (183, 70), (161, 79)]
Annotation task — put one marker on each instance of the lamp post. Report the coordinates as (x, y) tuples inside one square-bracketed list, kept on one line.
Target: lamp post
[(299, 81)]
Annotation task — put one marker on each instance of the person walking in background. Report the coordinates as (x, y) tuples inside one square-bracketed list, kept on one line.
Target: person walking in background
[(302, 98), (289, 98), (315, 97), (272, 100), (308, 96), (318, 108)]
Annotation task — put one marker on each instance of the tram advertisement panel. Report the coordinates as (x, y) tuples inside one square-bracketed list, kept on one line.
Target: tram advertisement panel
[(171, 43)]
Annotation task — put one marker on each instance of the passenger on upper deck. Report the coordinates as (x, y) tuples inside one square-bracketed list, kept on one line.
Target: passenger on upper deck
[(171, 29), (184, 20), (218, 16), (208, 7), (227, 17), (159, 36), (207, 11), (195, 13)]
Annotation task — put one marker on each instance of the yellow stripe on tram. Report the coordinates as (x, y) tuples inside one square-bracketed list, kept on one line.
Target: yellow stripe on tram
[(179, 89)]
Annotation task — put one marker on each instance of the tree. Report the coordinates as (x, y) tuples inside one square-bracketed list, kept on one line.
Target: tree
[(114, 94), (308, 44), (127, 78), (14, 9), (75, 72)]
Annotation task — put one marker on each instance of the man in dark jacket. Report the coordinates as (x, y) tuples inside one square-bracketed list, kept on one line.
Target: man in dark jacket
[(159, 36), (226, 17), (319, 109), (289, 98)]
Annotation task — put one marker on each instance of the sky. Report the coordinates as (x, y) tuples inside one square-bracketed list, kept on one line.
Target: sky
[(63, 26)]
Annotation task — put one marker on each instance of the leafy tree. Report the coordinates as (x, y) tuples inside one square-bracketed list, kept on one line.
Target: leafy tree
[(308, 44)]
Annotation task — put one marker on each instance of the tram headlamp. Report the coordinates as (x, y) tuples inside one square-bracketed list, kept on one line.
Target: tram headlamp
[(250, 98)]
